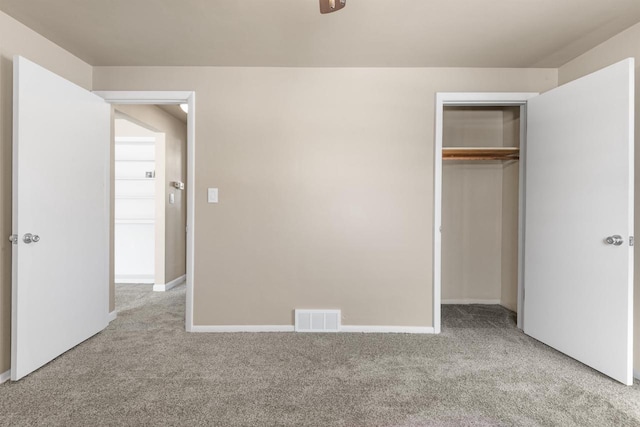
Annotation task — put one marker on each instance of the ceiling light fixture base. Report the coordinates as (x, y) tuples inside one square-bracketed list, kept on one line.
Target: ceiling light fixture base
[(328, 6)]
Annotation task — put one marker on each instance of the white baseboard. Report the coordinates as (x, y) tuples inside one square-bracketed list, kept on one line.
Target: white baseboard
[(388, 329), (112, 316), (470, 301), (242, 328), (134, 280), (172, 284), (5, 376), (290, 328)]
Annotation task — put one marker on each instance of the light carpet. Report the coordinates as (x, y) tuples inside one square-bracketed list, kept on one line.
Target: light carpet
[(144, 369)]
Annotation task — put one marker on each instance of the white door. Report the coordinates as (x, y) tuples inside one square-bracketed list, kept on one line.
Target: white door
[(60, 194), (579, 191)]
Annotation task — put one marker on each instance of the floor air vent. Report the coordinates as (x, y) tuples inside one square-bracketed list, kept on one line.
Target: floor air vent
[(317, 320)]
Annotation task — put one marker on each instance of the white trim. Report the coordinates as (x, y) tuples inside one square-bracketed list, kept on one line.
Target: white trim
[(112, 316), (631, 221), (242, 328), (290, 328), (172, 284), (173, 97), (467, 301), (388, 329), (485, 98), (521, 215), (437, 214), (5, 376), (477, 99), (145, 97)]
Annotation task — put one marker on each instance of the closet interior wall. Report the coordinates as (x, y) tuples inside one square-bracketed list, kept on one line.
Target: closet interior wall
[(480, 209)]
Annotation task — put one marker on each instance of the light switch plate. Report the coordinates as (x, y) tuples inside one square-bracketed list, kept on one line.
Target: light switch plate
[(212, 195)]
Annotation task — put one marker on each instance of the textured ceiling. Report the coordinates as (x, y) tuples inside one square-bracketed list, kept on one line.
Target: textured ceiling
[(366, 33)]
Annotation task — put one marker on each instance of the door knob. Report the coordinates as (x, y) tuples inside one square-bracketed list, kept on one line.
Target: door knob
[(615, 240), (29, 238)]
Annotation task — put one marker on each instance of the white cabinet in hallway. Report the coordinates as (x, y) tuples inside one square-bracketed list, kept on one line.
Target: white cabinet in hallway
[(135, 209)]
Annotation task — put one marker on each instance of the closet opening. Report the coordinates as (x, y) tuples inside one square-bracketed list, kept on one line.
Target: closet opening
[(480, 180), (479, 201)]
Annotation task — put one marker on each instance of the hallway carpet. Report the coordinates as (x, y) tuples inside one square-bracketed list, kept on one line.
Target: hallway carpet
[(145, 370)]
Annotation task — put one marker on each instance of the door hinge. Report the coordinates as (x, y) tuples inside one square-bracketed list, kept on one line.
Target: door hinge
[(631, 240)]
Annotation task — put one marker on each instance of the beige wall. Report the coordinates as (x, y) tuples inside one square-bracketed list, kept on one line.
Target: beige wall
[(326, 185), (623, 45), (175, 169), (325, 180), (15, 39)]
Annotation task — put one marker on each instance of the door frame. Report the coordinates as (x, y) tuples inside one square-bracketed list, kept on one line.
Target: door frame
[(173, 97), (469, 99)]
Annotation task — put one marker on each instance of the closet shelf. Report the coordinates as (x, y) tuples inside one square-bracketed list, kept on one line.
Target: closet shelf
[(480, 153)]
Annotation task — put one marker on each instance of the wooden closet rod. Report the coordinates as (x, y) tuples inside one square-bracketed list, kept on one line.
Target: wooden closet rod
[(480, 153)]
